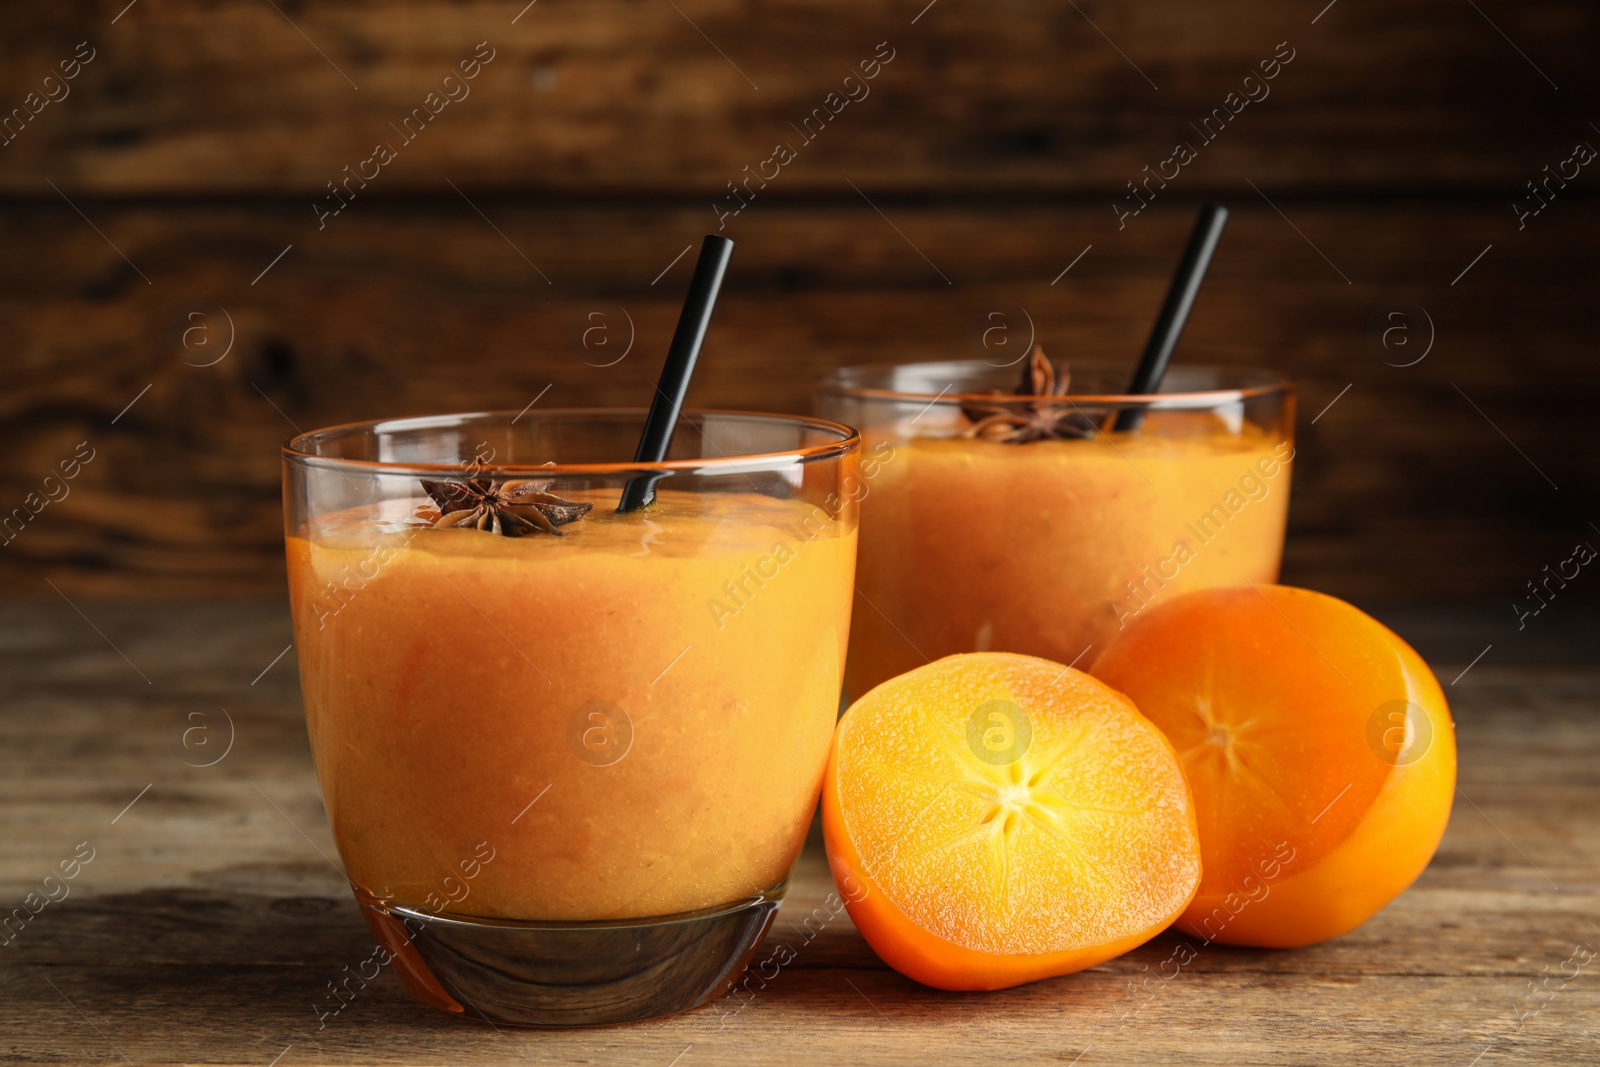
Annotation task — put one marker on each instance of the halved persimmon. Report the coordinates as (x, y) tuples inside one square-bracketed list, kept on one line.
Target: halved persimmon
[(993, 819), (1317, 743)]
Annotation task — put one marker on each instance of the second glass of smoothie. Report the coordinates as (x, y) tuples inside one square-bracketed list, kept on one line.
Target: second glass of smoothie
[(1003, 513), (569, 755)]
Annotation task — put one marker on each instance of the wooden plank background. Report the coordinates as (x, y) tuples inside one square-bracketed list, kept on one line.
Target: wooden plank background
[(163, 208)]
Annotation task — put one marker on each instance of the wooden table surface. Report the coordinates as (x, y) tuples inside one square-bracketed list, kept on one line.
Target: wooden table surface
[(210, 920)]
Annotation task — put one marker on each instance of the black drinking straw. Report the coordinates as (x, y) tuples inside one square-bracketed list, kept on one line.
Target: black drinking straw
[(1175, 312), (662, 420)]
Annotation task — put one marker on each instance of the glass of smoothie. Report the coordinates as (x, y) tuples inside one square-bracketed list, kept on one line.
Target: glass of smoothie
[(1020, 509), (569, 755)]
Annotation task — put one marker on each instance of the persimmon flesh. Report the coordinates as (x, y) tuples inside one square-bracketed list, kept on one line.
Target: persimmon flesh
[(992, 819)]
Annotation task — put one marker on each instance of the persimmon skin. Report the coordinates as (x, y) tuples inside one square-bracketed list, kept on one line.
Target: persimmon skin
[(926, 957), (1387, 850)]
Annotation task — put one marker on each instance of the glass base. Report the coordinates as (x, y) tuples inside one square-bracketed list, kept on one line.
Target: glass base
[(572, 973)]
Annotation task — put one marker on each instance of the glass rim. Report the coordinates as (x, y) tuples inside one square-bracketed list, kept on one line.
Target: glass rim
[(834, 382), (294, 449)]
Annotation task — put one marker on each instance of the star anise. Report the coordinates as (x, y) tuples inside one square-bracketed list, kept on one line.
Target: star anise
[(507, 508), (1017, 423)]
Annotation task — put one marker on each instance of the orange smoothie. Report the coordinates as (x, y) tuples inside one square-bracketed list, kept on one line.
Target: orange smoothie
[(1049, 548), (629, 720)]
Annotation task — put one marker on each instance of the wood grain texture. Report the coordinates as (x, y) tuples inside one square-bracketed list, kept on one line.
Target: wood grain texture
[(603, 96), (1431, 480), (178, 177), (207, 925)]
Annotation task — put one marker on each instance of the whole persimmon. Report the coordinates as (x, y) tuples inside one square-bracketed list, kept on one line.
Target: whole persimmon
[(993, 819), (1318, 746)]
